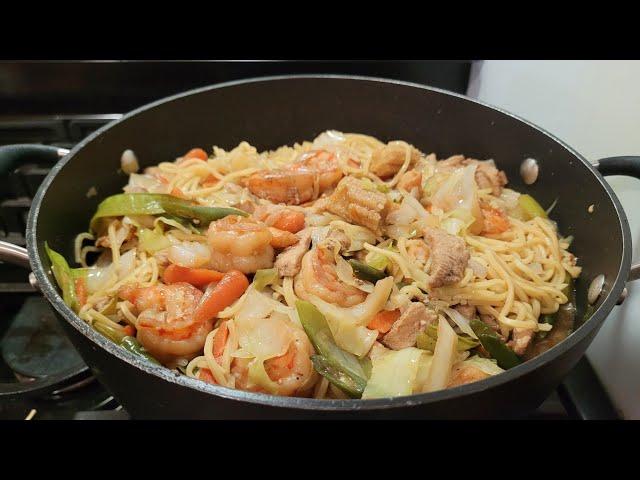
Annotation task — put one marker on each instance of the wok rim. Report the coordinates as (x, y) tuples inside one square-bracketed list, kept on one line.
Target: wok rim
[(50, 291)]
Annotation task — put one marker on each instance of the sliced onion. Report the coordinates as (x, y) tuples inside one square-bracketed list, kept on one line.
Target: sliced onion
[(461, 321), (126, 264), (189, 254), (330, 138), (443, 357), (345, 275)]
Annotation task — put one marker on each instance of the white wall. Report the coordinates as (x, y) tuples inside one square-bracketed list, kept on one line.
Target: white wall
[(595, 107)]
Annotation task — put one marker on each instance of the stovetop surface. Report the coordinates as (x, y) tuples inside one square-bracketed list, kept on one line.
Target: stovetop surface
[(33, 346)]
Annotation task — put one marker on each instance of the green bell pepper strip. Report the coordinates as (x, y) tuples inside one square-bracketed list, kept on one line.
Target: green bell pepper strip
[(531, 207), (427, 339), (157, 204), (264, 277), (365, 272), (132, 345), (352, 386), (127, 342), (65, 277), (342, 364), (505, 357)]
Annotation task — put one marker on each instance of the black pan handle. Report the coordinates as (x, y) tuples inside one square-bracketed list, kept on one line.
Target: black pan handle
[(625, 165), (14, 156)]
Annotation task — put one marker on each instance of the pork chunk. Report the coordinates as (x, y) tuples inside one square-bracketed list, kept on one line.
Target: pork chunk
[(289, 262), (521, 338), (449, 257), (467, 311), (387, 160), (354, 203), (405, 329)]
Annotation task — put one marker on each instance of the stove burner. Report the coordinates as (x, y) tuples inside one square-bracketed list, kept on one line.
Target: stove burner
[(35, 346)]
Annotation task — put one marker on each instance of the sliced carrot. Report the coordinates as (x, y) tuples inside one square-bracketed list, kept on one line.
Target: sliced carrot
[(290, 221), (129, 331), (279, 367), (495, 220), (220, 340), (81, 291), (282, 238), (198, 277), (196, 153), (176, 192), (206, 375), (210, 181), (227, 291), (384, 320)]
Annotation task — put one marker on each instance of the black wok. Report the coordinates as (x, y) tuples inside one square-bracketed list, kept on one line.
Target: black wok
[(274, 111)]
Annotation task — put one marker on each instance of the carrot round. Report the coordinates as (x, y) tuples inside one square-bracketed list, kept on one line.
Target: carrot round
[(220, 340), (196, 153), (198, 277), (495, 221), (227, 291), (384, 320), (206, 375), (290, 220)]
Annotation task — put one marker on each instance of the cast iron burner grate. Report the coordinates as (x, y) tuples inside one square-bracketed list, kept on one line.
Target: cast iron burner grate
[(32, 344)]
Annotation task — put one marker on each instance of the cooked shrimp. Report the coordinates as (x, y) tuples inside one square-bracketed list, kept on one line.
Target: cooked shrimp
[(311, 174), (240, 243), (165, 323), (283, 186), (278, 216), (318, 277), (324, 164), (293, 372)]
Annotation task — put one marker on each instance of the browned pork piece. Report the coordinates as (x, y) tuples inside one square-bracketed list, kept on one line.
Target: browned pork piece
[(487, 175), (289, 262), (520, 339), (353, 202), (449, 257), (405, 329), (387, 160), (467, 311)]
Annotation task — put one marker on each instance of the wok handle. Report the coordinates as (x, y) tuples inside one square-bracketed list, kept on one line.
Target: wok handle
[(625, 165), (14, 156), (10, 253)]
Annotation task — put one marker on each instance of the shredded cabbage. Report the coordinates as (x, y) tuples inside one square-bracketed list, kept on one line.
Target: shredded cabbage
[(348, 325), (152, 241), (394, 373), (357, 234), (444, 356), (487, 365), (406, 264), (461, 321)]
